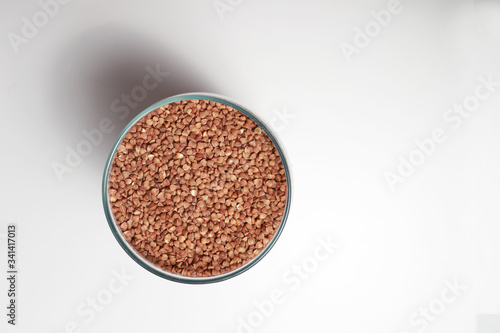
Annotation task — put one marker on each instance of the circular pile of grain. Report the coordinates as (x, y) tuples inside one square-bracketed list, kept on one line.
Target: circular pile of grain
[(197, 188)]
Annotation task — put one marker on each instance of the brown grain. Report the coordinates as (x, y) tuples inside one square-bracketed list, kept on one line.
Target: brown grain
[(197, 188)]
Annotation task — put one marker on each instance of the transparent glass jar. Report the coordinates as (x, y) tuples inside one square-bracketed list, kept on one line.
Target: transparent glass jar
[(136, 256)]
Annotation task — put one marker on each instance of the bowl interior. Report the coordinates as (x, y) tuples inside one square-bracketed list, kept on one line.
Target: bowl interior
[(151, 267)]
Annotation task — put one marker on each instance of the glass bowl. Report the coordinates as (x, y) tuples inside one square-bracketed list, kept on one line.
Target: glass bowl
[(136, 256)]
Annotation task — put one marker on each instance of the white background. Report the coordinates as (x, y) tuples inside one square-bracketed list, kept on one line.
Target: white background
[(352, 120)]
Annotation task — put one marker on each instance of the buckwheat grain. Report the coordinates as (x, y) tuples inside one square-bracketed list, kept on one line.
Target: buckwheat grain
[(197, 188)]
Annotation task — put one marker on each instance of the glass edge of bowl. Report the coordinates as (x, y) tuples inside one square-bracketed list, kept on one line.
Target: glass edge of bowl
[(137, 257)]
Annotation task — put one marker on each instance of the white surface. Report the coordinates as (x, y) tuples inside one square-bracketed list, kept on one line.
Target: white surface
[(352, 121)]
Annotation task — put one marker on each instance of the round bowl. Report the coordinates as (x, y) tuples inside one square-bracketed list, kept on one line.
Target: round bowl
[(129, 249)]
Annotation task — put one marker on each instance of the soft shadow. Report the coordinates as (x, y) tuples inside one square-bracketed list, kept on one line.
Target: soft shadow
[(98, 67)]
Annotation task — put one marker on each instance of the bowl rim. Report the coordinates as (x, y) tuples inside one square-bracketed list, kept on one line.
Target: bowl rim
[(136, 256)]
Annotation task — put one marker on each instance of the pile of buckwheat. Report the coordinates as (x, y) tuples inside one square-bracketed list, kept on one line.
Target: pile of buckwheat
[(197, 188)]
